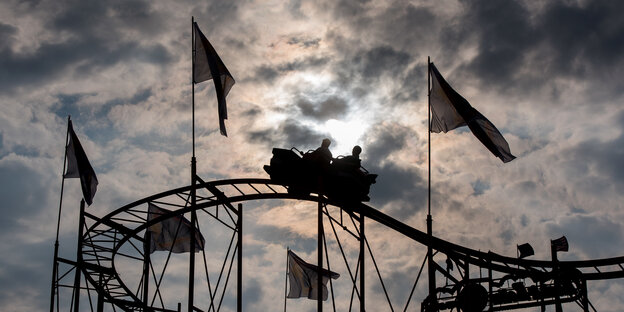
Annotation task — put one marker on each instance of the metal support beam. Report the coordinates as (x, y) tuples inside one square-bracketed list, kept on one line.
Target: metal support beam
[(79, 258), (556, 280), (362, 275), (146, 267), (100, 298), (584, 298), (430, 264), (319, 272), (239, 284), (191, 289)]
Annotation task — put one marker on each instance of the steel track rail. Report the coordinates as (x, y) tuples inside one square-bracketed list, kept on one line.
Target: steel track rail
[(105, 236)]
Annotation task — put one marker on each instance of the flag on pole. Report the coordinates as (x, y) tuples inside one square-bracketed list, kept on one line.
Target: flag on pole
[(525, 250), (559, 244), (78, 166), (302, 278), (450, 110), (208, 65), (171, 234)]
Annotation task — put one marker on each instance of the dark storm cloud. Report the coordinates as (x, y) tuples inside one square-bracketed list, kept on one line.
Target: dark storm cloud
[(220, 13), (24, 270), (304, 42), (480, 187), (96, 42), (253, 293), (252, 112), (389, 138), (598, 236), (28, 183), (519, 49), (414, 85), (382, 60), (6, 36), (332, 107), (285, 237), (590, 34), (404, 188), (289, 134), (408, 27), (372, 65), (400, 184), (268, 73), (505, 35), (603, 156)]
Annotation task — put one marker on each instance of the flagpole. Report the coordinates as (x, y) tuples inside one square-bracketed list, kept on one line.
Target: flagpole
[(58, 222), (555, 271), (319, 272), (193, 180), (193, 80), (286, 279), (78, 269), (431, 268)]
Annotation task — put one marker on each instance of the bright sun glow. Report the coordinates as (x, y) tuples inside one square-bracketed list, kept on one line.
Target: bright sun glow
[(346, 134)]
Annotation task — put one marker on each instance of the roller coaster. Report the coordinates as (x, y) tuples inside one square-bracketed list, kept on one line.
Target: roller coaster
[(108, 243), (115, 270)]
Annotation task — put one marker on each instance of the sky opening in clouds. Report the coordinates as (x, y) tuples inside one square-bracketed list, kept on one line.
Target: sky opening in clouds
[(548, 74)]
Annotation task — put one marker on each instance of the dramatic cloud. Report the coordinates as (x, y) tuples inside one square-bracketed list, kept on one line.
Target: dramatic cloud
[(546, 73)]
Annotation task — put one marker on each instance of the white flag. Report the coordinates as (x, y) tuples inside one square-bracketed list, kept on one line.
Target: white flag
[(170, 234), (449, 110), (302, 278)]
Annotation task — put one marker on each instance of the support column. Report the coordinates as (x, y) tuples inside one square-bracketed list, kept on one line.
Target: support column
[(54, 287), (585, 299), (319, 272), (430, 266), (362, 275), (79, 258), (239, 286), (100, 299), (490, 281), (191, 287), (558, 307), (146, 267)]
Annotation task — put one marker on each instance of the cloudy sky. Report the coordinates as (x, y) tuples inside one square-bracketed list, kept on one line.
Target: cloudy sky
[(548, 74)]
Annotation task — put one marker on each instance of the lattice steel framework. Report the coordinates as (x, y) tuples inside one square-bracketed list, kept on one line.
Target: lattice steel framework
[(472, 280)]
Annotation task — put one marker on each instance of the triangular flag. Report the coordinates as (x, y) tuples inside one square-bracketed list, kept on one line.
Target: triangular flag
[(525, 250), (208, 65), (559, 244), (78, 166)]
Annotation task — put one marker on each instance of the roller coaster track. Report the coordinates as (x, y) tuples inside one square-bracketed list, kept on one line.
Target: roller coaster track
[(105, 238)]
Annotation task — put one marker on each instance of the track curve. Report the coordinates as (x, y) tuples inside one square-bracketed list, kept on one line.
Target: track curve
[(106, 236)]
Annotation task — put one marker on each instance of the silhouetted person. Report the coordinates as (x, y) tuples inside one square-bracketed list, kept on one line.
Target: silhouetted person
[(350, 164), (354, 160), (321, 156)]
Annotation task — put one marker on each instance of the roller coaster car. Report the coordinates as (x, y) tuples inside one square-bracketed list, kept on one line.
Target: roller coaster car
[(339, 180)]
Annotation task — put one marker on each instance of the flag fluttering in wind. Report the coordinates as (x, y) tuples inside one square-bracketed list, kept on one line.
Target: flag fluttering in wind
[(78, 166), (303, 277), (208, 65), (525, 250), (450, 110), (559, 244), (172, 234)]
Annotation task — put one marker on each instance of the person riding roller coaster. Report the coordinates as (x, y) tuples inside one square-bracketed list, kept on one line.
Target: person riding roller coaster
[(317, 171), (321, 156)]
